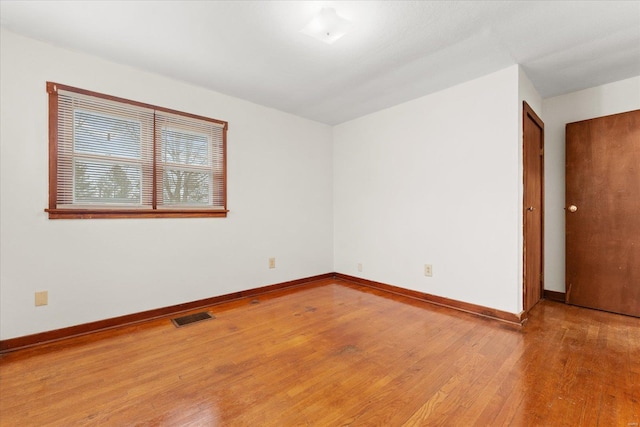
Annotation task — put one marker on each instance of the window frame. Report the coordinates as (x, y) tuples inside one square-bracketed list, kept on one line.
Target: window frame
[(102, 211)]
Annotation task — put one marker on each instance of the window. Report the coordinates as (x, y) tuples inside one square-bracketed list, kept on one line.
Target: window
[(114, 158)]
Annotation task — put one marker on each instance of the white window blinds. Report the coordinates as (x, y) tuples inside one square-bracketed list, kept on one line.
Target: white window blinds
[(190, 162), (107, 153)]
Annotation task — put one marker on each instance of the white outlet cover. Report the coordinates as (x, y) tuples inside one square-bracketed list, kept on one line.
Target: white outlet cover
[(428, 270)]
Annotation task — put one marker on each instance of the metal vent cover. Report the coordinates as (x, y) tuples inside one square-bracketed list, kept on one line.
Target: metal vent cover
[(192, 318)]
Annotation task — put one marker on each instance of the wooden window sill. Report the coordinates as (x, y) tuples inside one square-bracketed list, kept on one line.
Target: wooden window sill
[(134, 213)]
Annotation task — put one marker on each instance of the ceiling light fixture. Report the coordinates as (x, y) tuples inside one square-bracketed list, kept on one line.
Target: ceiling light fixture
[(327, 26)]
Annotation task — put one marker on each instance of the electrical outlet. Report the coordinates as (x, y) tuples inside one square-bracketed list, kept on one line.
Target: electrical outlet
[(428, 270), (360, 267), (42, 298), (272, 263)]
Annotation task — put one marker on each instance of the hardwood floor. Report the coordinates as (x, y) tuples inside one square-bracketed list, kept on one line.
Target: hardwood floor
[(334, 353)]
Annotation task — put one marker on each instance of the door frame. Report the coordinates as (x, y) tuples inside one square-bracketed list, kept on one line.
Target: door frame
[(528, 113)]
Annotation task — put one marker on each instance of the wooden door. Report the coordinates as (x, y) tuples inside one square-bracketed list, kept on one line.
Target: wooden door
[(603, 213), (533, 207)]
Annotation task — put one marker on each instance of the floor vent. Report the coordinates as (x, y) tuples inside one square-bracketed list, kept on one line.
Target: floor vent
[(192, 318)]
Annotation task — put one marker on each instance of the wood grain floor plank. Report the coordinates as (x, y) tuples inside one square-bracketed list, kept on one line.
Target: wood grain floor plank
[(335, 353)]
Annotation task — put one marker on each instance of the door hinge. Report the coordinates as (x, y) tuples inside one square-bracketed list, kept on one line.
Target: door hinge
[(541, 152)]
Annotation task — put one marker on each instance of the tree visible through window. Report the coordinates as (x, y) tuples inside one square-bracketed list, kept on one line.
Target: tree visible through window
[(111, 157), (183, 153), (98, 141)]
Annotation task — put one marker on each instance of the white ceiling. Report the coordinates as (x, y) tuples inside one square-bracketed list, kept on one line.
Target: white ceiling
[(396, 51)]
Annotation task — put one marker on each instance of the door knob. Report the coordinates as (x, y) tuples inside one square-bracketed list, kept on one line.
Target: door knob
[(530, 208), (573, 208)]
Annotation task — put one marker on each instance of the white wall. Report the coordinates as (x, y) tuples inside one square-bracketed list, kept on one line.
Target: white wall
[(435, 180), (279, 188), (599, 101)]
